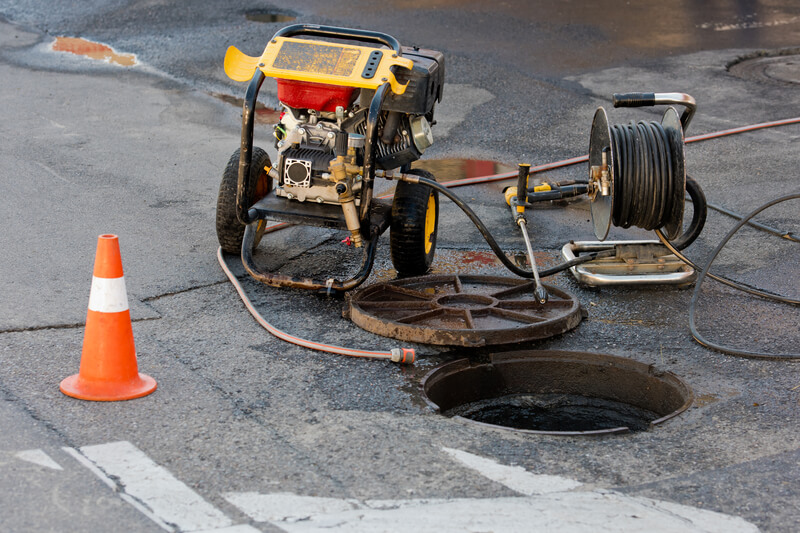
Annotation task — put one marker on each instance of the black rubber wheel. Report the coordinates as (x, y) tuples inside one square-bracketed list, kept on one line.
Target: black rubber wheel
[(229, 230), (412, 235)]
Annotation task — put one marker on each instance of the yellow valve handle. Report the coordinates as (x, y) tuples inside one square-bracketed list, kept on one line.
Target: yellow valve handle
[(511, 192)]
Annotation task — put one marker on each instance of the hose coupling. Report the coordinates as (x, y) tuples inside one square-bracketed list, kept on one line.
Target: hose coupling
[(403, 355)]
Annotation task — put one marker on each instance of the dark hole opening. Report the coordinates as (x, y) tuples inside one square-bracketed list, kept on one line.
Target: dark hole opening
[(556, 412)]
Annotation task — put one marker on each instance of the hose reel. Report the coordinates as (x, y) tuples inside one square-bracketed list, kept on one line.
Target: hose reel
[(637, 171)]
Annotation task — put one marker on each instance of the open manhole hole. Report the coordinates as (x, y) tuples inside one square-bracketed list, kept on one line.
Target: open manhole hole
[(557, 393), (781, 67)]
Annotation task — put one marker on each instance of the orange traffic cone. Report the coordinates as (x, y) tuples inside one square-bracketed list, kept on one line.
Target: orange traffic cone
[(108, 369)]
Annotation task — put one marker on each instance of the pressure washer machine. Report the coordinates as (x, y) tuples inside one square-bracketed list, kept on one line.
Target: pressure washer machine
[(356, 107)]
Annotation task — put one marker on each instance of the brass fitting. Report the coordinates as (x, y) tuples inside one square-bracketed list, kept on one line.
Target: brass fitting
[(348, 202)]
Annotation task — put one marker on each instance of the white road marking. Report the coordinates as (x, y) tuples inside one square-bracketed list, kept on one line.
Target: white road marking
[(153, 490), (515, 478), (549, 504), (38, 457), (243, 528), (566, 512), (127, 497), (287, 507)]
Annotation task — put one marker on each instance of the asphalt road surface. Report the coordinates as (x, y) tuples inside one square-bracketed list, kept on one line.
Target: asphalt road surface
[(248, 433)]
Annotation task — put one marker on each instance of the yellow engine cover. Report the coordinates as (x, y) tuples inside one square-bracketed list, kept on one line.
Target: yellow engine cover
[(320, 62)]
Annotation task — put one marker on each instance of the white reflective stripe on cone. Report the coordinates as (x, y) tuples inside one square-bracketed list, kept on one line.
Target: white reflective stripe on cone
[(108, 295)]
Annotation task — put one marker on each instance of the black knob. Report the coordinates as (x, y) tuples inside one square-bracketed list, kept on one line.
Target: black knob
[(341, 188)]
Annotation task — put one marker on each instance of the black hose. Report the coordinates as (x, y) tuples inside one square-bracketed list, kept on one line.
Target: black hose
[(487, 236), (699, 214), (645, 175), (703, 273), (788, 235)]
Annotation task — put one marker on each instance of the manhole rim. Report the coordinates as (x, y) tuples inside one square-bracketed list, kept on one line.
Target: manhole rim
[(752, 67), (565, 356)]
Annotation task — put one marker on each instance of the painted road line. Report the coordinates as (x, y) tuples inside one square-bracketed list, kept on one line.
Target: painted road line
[(153, 490), (515, 478), (113, 486), (567, 512), (242, 528), (286, 507), (549, 504), (38, 457)]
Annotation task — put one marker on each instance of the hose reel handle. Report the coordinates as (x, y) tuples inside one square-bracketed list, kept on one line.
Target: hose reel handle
[(651, 99), (634, 99)]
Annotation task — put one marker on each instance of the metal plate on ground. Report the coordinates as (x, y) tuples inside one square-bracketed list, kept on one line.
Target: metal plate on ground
[(636, 263), (462, 310)]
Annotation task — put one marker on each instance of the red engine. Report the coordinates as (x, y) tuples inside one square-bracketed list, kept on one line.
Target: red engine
[(317, 96)]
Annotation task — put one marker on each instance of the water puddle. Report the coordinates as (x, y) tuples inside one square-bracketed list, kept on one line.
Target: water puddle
[(269, 16), (264, 115), (93, 50), (555, 413), (456, 169)]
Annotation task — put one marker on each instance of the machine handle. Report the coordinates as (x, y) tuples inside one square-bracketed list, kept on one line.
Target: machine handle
[(651, 99), (341, 33), (522, 185), (634, 99)]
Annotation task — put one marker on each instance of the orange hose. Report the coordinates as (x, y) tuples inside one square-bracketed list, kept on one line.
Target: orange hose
[(396, 355)]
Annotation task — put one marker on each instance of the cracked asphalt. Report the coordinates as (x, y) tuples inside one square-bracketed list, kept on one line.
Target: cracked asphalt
[(89, 148)]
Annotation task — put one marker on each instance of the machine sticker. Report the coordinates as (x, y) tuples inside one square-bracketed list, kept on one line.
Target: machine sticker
[(315, 58)]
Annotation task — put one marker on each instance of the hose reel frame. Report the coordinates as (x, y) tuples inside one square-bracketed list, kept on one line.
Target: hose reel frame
[(605, 186)]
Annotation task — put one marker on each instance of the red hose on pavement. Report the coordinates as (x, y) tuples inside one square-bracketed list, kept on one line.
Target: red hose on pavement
[(396, 355)]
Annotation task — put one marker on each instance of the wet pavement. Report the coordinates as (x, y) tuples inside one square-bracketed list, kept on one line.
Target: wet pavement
[(260, 435)]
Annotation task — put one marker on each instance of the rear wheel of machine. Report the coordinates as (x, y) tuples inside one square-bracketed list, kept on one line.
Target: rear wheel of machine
[(415, 217), (229, 230)]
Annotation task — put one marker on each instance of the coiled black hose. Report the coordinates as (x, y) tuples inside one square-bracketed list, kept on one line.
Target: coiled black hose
[(645, 174), (699, 214)]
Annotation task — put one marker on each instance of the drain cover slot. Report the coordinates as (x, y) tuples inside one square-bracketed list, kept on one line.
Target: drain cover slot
[(457, 310), (560, 393)]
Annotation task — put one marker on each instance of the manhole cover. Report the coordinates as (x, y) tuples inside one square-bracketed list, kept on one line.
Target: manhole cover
[(457, 310), (560, 393), (781, 68)]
